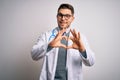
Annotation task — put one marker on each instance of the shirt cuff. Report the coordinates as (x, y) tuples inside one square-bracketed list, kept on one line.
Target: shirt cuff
[(49, 48), (84, 54)]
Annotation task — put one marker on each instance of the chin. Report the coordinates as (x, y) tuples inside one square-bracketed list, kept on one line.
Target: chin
[(63, 27)]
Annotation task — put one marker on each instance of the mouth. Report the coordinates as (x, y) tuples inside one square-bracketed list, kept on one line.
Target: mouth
[(62, 22)]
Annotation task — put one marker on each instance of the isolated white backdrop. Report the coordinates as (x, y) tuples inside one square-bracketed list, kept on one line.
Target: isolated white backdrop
[(22, 21)]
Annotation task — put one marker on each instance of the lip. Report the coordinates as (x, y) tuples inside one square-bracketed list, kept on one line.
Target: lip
[(63, 22)]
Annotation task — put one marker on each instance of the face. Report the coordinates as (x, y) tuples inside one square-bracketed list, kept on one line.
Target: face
[(64, 18)]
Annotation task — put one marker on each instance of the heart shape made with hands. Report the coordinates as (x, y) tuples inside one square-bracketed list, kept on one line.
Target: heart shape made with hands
[(75, 38)]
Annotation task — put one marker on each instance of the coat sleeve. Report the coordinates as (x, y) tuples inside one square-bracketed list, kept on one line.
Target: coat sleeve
[(90, 58), (39, 49)]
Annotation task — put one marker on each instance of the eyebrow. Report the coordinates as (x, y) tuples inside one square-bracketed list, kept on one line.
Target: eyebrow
[(63, 14)]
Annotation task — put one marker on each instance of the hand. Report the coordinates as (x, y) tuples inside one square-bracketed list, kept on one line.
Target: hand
[(56, 42), (77, 42)]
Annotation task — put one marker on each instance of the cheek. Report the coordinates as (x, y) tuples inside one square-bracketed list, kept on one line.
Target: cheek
[(58, 19), (69, 22)]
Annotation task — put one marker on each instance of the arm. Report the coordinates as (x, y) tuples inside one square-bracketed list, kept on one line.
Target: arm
[(89, 59), (80, 43), (39, 49), (42, 47)]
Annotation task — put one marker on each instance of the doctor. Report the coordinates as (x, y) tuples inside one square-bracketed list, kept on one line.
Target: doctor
[(64, 49)]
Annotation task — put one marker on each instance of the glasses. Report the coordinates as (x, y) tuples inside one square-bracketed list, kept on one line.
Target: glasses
[(66, 16)]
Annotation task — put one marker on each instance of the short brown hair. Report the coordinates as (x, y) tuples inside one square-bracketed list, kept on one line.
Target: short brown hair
[(66, 6)]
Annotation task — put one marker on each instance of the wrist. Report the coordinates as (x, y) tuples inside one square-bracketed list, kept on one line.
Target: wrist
[(82, 49)]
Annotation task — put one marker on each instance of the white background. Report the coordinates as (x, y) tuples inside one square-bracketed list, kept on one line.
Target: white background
[(22, 21)]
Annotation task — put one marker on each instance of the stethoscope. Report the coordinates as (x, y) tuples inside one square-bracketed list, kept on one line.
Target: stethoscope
[(53, 34)]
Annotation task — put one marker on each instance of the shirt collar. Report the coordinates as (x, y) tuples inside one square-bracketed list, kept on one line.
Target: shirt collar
[(68, 29)]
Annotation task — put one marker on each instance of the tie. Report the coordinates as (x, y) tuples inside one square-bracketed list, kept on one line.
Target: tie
[(61, 72)]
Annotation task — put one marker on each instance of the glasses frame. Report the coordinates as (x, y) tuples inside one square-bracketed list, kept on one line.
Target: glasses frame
[(66, 16)]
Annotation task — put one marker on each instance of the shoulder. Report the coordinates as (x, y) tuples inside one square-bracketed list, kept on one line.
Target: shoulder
[(52, 30), (48, 34)]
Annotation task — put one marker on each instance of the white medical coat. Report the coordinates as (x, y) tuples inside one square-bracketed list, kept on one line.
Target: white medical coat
[(74, 57)]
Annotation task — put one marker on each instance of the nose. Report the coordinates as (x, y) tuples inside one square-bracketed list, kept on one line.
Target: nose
[(63, 17)]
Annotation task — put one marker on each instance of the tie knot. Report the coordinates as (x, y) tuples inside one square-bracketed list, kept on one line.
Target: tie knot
[(64, 33)]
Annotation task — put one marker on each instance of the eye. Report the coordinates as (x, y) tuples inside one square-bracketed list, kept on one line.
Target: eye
[(68, 16), (60, 15)]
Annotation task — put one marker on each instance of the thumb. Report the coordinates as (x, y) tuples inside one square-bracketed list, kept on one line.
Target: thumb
[(63, 46), (69, 47)]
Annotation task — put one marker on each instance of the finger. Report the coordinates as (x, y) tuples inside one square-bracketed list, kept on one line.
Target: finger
[(58, 36), (72, 32), (71, 38), (75, 33), (65, 37), (63, 46), (69, 47), (78, 35)]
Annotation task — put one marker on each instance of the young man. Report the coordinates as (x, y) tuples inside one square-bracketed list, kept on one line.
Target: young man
[(63, 49)]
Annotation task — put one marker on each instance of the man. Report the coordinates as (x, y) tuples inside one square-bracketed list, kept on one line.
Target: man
[(63, 49)]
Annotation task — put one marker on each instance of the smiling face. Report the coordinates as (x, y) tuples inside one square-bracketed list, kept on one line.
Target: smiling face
[(64, 18)]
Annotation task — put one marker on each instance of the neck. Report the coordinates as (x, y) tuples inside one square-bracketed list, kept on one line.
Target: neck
[(66, 29)]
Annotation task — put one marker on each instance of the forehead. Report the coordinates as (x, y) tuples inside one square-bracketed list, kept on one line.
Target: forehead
[(65, 11)]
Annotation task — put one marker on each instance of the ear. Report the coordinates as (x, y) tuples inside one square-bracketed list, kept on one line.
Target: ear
[(56, 16), (73, 18)]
